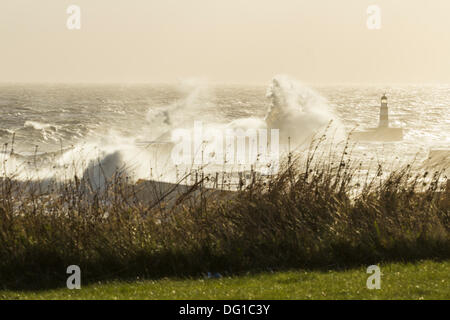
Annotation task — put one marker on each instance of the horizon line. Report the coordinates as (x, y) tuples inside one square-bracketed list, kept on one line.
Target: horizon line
[(215, 83)]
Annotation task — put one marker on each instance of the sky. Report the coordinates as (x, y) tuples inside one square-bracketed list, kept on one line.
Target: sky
[(225, 41)]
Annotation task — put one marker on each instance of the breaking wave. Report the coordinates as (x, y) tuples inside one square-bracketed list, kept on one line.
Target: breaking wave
[(298, 111)]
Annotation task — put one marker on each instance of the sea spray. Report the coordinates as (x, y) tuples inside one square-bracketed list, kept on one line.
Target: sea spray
[(194, 106), (298, 111), (295, 110)]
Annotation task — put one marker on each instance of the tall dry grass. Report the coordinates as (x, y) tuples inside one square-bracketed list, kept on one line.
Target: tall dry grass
[(316, 212)]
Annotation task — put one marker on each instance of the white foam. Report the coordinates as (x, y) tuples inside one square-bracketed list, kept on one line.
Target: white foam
[(298, 111)]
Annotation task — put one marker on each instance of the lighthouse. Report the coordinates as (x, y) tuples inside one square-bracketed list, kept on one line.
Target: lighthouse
[(383, 132), (384, 113)]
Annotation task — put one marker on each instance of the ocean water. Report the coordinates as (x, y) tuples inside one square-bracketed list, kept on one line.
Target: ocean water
[(56, 126)]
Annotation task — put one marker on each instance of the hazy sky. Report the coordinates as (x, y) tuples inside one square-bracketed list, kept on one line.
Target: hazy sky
[(230, 41)]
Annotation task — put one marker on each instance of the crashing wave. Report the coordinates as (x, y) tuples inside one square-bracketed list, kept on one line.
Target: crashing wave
[(298, 111)]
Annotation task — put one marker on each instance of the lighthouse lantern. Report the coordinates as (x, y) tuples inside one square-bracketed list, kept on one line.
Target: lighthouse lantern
[(384, 113)]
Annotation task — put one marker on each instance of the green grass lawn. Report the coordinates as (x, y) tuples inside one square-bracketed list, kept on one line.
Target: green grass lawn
[(423, 280)]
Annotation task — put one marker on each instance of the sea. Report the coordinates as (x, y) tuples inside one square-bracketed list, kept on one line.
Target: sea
[(47, 129)]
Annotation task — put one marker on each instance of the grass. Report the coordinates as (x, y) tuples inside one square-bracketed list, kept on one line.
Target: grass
[(423, 280), (318, 212)]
